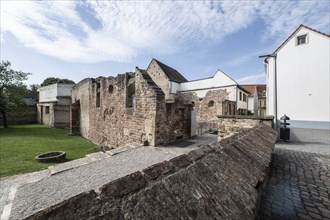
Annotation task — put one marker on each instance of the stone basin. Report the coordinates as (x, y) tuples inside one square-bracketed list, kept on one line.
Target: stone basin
[(51, 157)]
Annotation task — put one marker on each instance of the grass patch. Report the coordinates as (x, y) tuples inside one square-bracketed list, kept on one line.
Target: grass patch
[(20, 144)]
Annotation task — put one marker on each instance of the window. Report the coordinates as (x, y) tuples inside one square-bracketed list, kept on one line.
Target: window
[(302, 39), (211, 103), (264, 93), (244, 97), (240, 96), (98, 95), (130, 96), (111, 89), (46, 109), (168, 109)]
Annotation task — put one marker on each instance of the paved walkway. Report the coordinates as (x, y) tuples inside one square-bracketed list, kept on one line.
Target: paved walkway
[(299, 185), (23, 195)]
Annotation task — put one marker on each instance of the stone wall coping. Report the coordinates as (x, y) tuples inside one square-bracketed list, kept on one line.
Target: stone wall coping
[(270, 117)]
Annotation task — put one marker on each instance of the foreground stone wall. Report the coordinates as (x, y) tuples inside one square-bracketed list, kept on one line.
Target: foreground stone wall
[(217, 181)]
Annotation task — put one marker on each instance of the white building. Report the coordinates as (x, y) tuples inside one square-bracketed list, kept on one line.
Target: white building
[(220, 80), (252, 98), (298, 79), (54, 105)]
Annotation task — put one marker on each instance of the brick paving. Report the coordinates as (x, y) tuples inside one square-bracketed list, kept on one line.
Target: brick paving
[(299, 185)]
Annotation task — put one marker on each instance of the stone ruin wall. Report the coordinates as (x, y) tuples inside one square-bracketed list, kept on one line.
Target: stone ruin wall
[(231, 124), (173, 122), (204, 112), (223, 180), (27, 116), (80, 99), (115, 125)]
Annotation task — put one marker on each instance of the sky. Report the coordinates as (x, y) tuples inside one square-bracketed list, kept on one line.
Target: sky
[(86, 39)]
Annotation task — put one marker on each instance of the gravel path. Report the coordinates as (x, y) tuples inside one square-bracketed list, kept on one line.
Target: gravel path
[(24, 195)]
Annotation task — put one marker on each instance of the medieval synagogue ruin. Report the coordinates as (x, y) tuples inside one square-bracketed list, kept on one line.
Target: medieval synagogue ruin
[(151, 107)]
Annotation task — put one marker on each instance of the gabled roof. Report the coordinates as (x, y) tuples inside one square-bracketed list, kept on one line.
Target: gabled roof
[(250, 89), (260, 89), (294, 33), (171, 73)]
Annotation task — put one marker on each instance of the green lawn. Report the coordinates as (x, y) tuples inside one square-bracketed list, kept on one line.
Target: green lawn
[(20, 144)]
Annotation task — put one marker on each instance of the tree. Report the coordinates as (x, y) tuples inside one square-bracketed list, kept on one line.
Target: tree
[(34, 87), (52, 80), (12, 90)]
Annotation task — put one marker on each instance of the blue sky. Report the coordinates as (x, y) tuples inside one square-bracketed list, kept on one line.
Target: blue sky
[(81, 39)]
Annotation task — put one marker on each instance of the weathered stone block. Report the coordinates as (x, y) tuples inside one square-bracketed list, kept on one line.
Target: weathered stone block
[(181, 161), (123, 186), (82, 206), (196, 154), (159, 170)]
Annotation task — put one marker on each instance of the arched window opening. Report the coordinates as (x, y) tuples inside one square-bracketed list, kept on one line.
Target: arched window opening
[(211, 103), (111, 89)]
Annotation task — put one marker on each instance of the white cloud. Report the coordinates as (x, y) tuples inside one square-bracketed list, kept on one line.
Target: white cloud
[(120, 31), (283, 17), (126, 28), (253, 79)]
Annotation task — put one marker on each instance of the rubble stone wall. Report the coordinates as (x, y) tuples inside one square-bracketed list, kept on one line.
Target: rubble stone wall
[(218, 181), (28, 115), (44, 117), (208, 107), (231, 124), (131, 109), (81, 99), (159, 77)]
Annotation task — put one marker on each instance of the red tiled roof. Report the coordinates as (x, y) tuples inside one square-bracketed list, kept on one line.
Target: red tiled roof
[(249, 88), (300, 26), (260, 89)]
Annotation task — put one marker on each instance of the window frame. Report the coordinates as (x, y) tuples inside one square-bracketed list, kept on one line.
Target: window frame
[(305, 36), (47, 109)]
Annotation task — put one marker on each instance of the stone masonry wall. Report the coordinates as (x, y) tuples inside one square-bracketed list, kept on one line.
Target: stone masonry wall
[(28, 115), (159, 77), (131, 109), (218, 181), (203, 107), (173, 122), (80, 98), (113, 123), (232, 124)]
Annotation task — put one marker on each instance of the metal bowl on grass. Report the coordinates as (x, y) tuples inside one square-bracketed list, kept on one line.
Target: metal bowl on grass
[(51, 157)]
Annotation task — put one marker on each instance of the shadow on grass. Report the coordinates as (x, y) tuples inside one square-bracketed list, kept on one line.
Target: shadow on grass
[(33, 131)]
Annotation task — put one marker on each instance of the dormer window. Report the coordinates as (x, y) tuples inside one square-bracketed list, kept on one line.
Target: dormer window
[(302, 39)]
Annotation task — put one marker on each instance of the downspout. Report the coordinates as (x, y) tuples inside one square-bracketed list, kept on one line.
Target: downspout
[(236, 109), (274, 55), (275, 73)]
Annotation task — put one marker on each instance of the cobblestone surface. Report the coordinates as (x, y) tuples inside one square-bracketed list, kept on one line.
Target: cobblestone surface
[(299, 184)]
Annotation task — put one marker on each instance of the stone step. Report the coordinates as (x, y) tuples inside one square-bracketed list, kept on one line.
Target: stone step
[(123, 149)]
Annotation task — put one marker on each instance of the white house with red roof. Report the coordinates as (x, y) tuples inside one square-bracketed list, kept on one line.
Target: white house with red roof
[(298, 79), (252, 98)]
